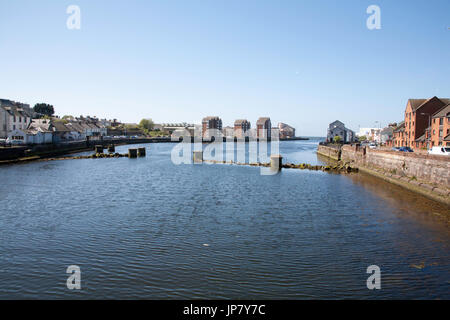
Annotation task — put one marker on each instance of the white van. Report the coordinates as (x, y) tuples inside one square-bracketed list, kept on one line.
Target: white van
[(440, 150)]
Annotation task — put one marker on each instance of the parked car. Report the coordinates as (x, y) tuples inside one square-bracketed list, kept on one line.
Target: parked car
[(440, 150), (2, 142), (405, 149), (395, 149), (372, 146)]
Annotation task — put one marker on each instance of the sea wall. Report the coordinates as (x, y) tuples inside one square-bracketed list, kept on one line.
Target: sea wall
[(426, 174), (422, 173), (12, 153), (330, 151), (434, 169)]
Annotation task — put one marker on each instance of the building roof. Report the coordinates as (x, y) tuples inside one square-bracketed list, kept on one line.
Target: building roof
[(75, 126), (444, 112), (336, 123), (418, 103), (17, 108), (284, 126), (262, 120), (387, 130), (211, 118), (240, 121), (422, 138), (42, 125), (59, 126), (400, 127)]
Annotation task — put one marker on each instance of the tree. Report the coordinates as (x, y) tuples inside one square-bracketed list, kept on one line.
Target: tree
[(337, 139), (362, 138), (44, 108), (146, 124)]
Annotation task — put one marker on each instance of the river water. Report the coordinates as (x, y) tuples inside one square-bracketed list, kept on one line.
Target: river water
[(146, 228)]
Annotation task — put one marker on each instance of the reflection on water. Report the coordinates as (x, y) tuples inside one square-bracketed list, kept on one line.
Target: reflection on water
[(145, 228)]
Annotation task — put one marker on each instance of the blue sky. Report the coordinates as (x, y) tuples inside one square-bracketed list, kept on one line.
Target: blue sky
[(303, 62)]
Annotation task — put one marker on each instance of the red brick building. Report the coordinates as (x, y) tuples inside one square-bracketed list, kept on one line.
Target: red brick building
[(210, 123), (398, 139), (440, 127), (418, 115), (263, 128), (241, 126)]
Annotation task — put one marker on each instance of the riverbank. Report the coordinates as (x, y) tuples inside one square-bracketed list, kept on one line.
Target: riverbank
[(428, 175), (38, 152)]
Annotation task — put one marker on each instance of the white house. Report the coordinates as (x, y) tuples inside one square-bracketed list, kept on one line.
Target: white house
[(31, 136), (14, 115)]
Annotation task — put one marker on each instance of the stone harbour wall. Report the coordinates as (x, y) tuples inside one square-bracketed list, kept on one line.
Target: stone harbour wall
[(330, 151), (433, 169), (426, 174)]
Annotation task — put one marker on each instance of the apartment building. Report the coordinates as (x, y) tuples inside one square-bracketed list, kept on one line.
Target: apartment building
[(264, 128), (210, 123), (418, 116), (241, 127), (440, 128)]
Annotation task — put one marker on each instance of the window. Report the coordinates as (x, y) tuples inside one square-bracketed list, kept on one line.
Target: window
[(441, 121), (14, 127)]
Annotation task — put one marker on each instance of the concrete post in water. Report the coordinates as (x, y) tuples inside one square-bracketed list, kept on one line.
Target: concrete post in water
[(276, 162), (132, 153), (198, 156), (112, 148), (99, 149), (141, 152)]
